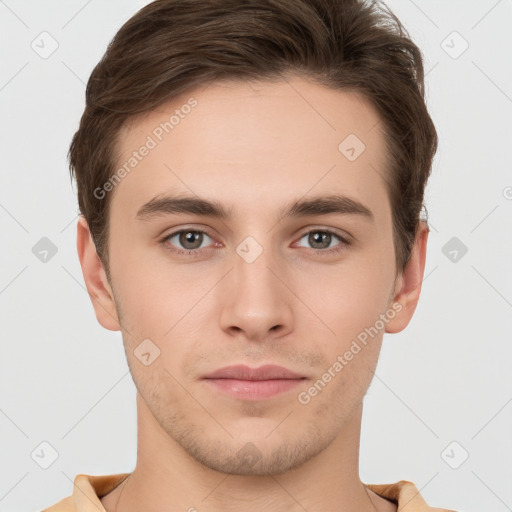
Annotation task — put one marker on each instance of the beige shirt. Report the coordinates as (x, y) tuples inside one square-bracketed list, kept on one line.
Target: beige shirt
[(88, 489)]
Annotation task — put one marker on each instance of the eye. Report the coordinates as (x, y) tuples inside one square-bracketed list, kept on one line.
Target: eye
[(321, 240), (187, 240), (190, 241)]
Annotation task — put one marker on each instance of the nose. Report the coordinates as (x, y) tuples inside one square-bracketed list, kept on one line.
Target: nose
[(256, 299)]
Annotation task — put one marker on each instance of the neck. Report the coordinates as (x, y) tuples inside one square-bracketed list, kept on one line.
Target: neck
[(168, 478)]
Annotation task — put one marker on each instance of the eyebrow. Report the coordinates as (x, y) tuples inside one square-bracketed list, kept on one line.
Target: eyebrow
[(323, 205)]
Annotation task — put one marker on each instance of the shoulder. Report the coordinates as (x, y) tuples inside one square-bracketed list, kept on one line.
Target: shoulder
[(87, 491), (64, 505), (404, 493)]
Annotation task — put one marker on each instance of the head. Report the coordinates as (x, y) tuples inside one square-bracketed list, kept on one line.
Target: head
[(246, 114)]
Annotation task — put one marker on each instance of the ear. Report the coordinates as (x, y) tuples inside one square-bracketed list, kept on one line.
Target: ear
[(95, 278), (408, 284)]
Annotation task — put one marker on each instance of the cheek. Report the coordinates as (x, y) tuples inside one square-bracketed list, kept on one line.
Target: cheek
[(155, 295), (168, 308), (347, 298)]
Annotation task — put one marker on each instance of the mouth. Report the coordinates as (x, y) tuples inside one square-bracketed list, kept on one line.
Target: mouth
[(247, 383)]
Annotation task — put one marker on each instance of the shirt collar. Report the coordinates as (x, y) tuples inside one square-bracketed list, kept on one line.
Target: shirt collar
[(88, 489)]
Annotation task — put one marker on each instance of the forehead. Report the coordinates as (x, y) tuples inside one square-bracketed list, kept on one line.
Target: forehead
[(239, 140)]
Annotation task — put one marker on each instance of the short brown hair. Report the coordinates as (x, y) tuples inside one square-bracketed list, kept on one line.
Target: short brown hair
[(171, 46)]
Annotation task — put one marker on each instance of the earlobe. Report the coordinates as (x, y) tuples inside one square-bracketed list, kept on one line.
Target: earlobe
[(409, 282), (95, 278)]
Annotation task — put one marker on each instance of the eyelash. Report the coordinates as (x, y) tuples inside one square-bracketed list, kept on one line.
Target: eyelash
[(195, 252)]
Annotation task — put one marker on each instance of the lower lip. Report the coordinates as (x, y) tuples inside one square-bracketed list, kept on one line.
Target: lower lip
[(254, 389)]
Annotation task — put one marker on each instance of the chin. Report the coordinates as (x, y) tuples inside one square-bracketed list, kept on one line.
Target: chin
[(254, 455)]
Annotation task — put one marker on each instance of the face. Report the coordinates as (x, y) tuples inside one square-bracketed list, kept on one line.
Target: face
[(299, 272)]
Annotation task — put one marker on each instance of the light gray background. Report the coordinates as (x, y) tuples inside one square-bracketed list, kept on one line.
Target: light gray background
[(64, 379)]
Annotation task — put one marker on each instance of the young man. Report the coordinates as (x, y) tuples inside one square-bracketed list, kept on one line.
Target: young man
[(250, 178)]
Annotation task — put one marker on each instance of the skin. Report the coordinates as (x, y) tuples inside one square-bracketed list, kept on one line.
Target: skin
[(255, 148)]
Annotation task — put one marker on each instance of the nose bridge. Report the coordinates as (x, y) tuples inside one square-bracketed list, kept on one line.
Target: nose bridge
[(254, 270), (257, 301)]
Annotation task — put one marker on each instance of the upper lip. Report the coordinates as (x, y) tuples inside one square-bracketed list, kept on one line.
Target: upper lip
[(242, 372)]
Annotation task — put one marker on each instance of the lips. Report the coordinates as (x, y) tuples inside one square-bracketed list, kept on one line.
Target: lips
[(245, 383), (266, 372)]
